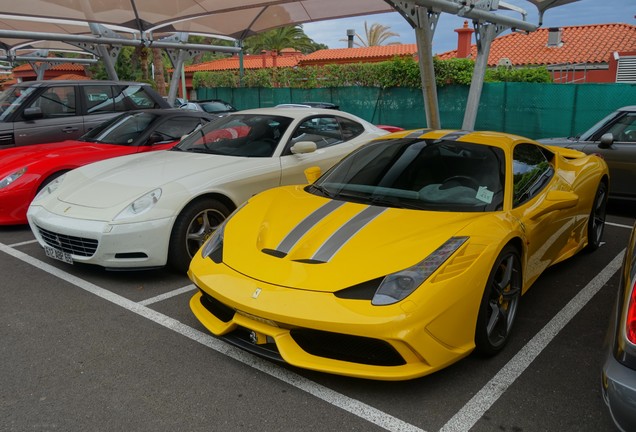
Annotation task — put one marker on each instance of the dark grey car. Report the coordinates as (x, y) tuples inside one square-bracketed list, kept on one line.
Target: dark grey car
[(618, 378), (614, 138), (36, 112)]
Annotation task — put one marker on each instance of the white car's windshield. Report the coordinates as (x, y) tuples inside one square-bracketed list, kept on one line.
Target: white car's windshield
[(244, 135), (419, 174)]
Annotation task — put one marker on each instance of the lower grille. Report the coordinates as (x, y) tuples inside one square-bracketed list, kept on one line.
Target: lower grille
[(78, 246), (216, 308), (337, 346), (355, 349)]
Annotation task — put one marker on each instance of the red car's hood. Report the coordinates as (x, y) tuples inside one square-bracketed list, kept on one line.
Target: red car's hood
[(17, 157)]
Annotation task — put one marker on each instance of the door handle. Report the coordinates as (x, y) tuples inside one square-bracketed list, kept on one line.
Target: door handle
[(70, 129)]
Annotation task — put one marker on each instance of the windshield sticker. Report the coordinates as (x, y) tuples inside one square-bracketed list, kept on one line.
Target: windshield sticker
[(483, 194)]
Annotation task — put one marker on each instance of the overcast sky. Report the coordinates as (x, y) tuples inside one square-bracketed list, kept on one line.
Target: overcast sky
[(332, 32)]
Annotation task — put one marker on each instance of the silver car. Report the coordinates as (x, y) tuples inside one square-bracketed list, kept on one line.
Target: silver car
[(36, 112), (618, 378), (614, 138)]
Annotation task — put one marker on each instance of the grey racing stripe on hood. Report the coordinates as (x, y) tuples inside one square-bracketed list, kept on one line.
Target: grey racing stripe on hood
[(306, 224), (339, 238)]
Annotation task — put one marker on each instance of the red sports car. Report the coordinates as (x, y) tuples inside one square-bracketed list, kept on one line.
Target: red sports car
[(25, 170)]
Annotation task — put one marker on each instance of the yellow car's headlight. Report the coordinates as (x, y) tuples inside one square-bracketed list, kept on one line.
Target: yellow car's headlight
[(12, 177), (213, 248), (399, 285)]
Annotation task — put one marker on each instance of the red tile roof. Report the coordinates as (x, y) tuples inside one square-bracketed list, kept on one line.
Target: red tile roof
[(71, 77), (384, 52), (59, 67), (581, 44), (249, 62)]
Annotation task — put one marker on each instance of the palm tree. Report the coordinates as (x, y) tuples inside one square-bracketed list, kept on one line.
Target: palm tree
[(375, 35), (278, 39)]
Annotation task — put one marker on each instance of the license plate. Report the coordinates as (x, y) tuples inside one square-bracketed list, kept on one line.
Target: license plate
[(58, 254)]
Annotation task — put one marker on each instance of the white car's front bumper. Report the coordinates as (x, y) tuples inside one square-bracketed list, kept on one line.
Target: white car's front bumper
[(124, 245)]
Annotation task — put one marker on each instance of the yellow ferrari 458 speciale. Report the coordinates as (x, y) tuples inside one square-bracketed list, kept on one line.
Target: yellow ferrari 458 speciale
[(403, 258)]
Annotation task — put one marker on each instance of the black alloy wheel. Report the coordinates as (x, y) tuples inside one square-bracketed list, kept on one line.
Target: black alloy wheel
[(499, 303)]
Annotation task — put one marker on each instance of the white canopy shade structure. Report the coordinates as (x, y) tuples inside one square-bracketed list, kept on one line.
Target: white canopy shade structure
[(102, 27)]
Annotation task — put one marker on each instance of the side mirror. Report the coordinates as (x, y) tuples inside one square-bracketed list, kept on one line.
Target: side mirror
[(312, 174), (556, 200), (302, 147), (154, 138), (32, 113), (606, 140)]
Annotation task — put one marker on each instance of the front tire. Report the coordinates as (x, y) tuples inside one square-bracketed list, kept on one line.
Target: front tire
[(596, 222), (499, 303), (194, 225)]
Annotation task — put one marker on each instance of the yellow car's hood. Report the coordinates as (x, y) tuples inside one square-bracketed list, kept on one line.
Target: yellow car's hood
[(291, 238)]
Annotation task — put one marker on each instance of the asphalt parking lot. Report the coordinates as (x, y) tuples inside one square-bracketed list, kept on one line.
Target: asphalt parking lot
[(83, 349)]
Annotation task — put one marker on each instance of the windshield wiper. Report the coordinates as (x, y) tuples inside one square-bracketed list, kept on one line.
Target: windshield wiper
[(324, 191)]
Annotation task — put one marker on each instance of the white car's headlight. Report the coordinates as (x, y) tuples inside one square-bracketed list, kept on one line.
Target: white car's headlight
[(12, 177), (140, 205), (399, 285), (49, 188)]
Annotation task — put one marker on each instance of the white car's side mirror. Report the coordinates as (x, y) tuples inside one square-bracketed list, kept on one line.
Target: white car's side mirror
[(302, 147)]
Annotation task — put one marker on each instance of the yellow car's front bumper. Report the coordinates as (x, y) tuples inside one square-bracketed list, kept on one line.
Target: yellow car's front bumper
[(319, 331)]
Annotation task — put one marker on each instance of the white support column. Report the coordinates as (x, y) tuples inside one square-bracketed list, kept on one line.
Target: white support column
[(484, 33), (424, 21), (178, 57)]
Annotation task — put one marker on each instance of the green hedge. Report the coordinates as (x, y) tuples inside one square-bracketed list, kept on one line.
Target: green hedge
[(400, 72)]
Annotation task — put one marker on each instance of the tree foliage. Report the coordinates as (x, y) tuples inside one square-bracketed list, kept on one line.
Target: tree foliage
[(280, 38), (399, 72), (375, 35)]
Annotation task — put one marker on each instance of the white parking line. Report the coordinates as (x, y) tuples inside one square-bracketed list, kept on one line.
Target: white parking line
[(23, 243), (339, 400), (466, 417), (167, 295)]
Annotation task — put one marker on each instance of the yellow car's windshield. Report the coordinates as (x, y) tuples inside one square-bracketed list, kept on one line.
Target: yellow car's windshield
[(441, 175)]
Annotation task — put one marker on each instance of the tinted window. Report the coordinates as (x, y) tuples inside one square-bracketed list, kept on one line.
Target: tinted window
[(174, 128), (216, 107), (56, 102), (124, 129), (531, 172), (106, 98), (12, 98), (350, 129), (421, 174), (244, 135), (324, 131), (136, 95), (99, 99), (625, 128)]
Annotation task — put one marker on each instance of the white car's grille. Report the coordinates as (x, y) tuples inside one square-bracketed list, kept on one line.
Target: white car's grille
[(78, 246)]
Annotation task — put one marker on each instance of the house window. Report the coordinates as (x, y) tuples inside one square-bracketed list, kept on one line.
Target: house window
[(626, 71)]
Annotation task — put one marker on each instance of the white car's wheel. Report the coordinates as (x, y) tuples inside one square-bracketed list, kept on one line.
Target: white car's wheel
[(193, 227)]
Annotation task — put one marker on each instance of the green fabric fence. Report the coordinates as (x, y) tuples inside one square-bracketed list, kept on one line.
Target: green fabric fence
[(535, 110)]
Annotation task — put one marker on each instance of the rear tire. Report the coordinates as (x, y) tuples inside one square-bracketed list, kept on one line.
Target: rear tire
[(596, 222), (499, 303), (194, 225)]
